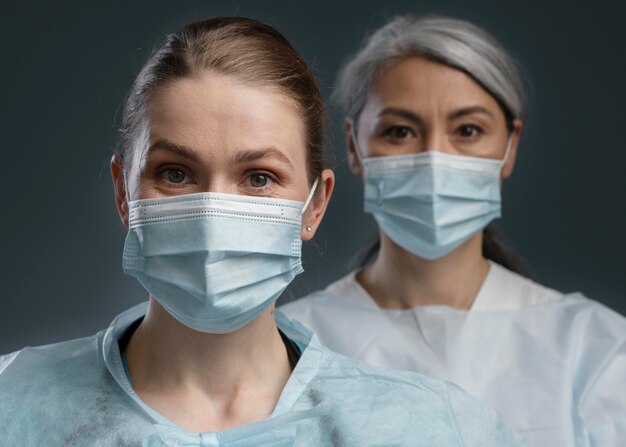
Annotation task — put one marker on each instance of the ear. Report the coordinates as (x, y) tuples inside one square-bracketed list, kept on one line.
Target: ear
[(516, 135), (354, 161), (317, 208), (119, 187)]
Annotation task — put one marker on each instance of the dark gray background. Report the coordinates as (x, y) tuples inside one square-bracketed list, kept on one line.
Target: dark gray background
[(66, 67)]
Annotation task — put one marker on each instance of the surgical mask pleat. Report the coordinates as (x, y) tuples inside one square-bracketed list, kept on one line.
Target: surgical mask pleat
[(214, 261), (232, 303), (222, 279), (430, 203)]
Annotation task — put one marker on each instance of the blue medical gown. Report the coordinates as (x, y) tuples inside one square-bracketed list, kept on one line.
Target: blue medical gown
[(76, 393)]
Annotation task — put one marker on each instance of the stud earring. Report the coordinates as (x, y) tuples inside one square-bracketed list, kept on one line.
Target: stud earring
[(308, 228)]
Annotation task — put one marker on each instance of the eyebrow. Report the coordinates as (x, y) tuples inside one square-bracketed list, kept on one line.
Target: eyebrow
[(470, 111), (410, 116), (252, 155), (182, 151), (241, 157)]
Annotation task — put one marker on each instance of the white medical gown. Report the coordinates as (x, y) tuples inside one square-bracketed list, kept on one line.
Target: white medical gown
[(554, 366), (77, 394)]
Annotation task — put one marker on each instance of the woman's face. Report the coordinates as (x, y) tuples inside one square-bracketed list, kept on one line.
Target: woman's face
[(418, 105), (214, 134)]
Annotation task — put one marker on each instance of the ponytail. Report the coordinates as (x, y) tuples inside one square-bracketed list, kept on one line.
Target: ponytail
[(496, 250)]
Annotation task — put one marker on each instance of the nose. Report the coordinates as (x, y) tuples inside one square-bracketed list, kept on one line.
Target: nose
[(219, 183), (437, 140)]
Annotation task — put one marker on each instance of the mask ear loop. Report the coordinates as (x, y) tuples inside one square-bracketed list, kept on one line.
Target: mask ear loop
[(507, 151), (126, 204), (355, 141), (310, 197), (124, 175)]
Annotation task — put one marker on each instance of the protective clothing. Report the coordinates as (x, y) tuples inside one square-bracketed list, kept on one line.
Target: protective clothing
[(214, 261), (553, 365), (431, 202), (77, 394)]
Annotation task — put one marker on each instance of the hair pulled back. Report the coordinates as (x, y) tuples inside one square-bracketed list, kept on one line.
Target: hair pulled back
[(456, 43), (246, 49), (453, 42)]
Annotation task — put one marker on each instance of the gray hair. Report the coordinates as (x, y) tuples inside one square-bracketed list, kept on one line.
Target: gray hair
[(452, 42)]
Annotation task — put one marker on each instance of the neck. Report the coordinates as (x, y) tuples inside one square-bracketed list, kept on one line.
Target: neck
[(400, 280), (207, 382)]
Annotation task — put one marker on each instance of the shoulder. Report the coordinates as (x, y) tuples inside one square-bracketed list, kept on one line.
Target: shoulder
[(504, 289), (416, 404), (64, 350), (598, 334), (7, 359), (36, 376), (591, 316), (39, 358), (63, 394), (596, 341), (599, 368), (577, 328)]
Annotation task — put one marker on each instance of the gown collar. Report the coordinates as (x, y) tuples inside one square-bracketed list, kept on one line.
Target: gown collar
[(313, 357), (501, 290)]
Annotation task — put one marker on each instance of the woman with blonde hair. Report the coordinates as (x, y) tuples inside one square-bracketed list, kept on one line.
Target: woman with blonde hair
[(219, 179)]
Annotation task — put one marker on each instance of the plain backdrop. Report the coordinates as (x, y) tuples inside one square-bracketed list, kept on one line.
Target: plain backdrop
[(67, 65)]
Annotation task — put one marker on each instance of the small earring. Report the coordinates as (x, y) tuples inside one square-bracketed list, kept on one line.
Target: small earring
[(308, 228)]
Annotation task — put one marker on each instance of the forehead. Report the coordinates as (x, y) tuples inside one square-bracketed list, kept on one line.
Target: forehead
[(417, 80), (215, 113)]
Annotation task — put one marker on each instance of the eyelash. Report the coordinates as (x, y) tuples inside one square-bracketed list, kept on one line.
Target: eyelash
[(388, 132), (272, 178), (162, 176), (479, 130), (188, 179)]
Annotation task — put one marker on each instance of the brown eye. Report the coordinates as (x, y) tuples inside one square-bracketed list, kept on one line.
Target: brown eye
[(175, 175), (259, 180), (469, 131), (398, 133)]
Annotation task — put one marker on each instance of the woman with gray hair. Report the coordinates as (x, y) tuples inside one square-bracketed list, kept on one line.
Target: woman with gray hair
[(434, 111)]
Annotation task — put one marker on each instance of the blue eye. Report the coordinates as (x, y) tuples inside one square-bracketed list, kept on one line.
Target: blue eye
[(259, 180), (176, 175)]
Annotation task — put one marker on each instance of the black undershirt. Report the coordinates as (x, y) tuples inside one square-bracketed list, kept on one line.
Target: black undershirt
[(293, 351)]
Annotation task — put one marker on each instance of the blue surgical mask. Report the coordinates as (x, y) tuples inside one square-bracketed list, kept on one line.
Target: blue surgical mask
[(214, 261), (432, 202)]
